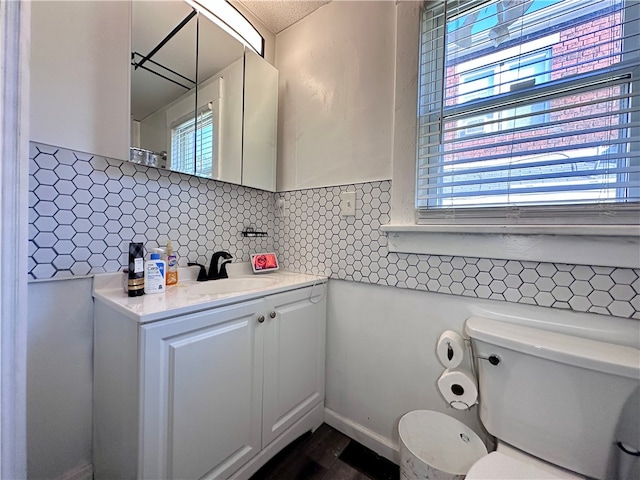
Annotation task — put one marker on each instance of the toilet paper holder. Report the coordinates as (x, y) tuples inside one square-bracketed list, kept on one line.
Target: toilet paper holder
[(459, 389), (460, 405)]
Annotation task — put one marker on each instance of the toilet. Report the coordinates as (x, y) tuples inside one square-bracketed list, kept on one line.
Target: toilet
[(560, 404), (508, 463)]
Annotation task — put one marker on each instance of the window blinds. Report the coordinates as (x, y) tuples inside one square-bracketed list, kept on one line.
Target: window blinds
[(527, 104), (187, 140), (204, 144)]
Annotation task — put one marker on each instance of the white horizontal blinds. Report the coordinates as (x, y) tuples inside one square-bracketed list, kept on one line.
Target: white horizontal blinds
[(204, 144), (528, 103), (187, 141), (183, 147)]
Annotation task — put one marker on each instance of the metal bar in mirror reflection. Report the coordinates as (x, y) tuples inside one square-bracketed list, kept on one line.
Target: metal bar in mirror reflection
[(171, 34), (138, 65)]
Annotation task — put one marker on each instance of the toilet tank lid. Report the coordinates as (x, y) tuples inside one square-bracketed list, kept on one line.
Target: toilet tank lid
[(582, 352)]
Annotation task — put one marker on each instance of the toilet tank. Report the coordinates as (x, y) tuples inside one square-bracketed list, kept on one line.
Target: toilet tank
[(556, 395)]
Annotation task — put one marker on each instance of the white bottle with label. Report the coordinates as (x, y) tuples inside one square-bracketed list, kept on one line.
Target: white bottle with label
[(155, 271)]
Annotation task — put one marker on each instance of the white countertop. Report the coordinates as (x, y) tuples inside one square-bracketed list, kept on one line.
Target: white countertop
[(178, 300)]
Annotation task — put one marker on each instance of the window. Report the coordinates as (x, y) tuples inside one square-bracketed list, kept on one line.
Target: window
[(187, 141), (477, 81), (528, 109)]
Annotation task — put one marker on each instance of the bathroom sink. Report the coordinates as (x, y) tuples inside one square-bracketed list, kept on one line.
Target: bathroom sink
[(231, 285)]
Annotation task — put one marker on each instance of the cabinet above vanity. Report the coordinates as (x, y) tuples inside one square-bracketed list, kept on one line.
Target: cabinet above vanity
[(202, 103), (208, 388), (90, 94)]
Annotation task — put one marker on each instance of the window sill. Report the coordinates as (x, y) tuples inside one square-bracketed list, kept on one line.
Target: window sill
[(600, 245)]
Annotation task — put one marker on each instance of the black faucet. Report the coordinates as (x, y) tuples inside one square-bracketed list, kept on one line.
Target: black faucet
[(202, 273), (216, 272)]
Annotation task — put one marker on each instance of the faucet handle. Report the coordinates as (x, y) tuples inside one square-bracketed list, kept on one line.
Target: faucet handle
[(222, 273), (202, 274), (215, 271)]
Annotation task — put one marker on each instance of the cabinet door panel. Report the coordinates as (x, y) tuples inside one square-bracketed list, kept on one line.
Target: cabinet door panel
[(206, 370), (294, 359)]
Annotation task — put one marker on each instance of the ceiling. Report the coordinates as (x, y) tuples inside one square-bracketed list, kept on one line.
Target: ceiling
[(280, 14)]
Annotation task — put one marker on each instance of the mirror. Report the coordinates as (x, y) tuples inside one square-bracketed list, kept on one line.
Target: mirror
[(260, 123), (196, 97), (163, 69)]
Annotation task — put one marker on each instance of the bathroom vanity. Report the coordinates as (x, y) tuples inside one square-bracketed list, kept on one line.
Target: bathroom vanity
[(209, 380)]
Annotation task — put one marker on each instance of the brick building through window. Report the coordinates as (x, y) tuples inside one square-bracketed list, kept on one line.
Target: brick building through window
[(534, 114)]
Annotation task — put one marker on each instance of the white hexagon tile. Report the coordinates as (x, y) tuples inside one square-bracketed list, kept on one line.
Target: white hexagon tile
[(313, 237), (84, 209)]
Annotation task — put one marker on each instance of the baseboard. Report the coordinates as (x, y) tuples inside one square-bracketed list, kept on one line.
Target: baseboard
[(383, 446), (81, 472)]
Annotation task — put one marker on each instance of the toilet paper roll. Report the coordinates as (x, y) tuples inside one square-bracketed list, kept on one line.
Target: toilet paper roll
[(459, 389), (450, 349)]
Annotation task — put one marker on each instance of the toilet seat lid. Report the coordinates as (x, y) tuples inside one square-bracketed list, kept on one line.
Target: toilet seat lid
[(500, 466)]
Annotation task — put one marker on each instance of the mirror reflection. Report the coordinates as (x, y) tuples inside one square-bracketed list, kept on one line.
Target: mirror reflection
[(186, 92)]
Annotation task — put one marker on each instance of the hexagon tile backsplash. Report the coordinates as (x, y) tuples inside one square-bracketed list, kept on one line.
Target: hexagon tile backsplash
[(313, 237), (85, 209)]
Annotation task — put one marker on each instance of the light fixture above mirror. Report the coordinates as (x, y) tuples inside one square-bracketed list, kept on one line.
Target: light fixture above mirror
[(232, 21)]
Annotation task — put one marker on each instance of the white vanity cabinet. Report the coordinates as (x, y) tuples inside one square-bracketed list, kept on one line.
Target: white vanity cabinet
[(294, 350), (212, 394), (202, 392)]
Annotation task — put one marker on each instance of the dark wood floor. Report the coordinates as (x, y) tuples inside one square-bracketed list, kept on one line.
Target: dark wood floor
[(327, 455)]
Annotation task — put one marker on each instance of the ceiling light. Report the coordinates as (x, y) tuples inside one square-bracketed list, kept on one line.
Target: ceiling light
[(231, 21)]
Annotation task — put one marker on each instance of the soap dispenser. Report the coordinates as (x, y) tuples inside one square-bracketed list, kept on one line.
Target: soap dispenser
[(172, 265)]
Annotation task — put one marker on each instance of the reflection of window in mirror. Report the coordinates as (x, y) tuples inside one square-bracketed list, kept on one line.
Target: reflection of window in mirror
[(183, 145), (205, 141), (202, 139)]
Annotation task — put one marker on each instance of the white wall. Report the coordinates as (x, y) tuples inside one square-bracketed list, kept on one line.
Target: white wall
[(80, 76), (336, 95), (381, 360), (60, 379), (79, 99)]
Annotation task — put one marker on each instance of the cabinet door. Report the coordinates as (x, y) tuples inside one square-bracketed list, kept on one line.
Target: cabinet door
[(293, 358), (202, 393)]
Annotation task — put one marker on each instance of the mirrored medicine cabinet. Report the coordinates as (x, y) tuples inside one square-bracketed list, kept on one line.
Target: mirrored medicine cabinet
[(201, 103)]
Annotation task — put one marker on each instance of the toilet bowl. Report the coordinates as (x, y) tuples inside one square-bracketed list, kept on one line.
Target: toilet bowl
[(509, 463)]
